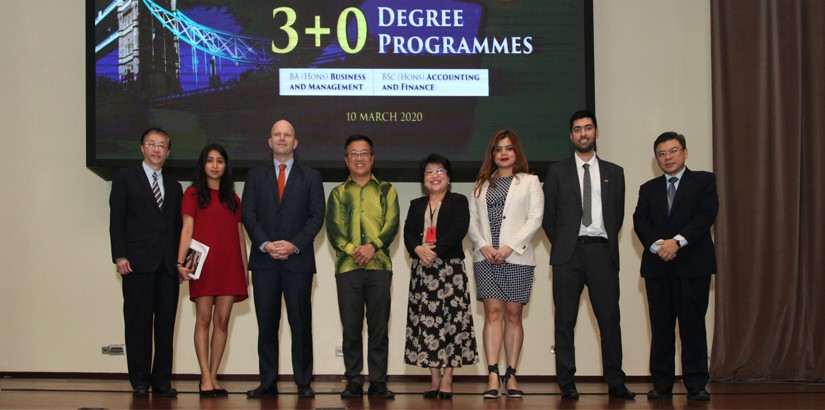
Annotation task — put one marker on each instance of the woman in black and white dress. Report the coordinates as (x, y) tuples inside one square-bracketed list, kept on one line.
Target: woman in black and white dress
[(440, 334), (505, 212)]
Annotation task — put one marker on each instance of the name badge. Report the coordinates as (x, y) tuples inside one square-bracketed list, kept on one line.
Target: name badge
[(429, 235)]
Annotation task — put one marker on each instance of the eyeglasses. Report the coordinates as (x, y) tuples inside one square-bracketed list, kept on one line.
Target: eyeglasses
[(358, 154), (439, 172), (672, 151), (152, 145)]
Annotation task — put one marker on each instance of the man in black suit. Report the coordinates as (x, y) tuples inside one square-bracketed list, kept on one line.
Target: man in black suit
[(283, 211), (144, 229), (672, 220), (583, 213)]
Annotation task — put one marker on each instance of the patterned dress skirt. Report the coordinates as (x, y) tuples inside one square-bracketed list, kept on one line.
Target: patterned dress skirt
[(508, 282), (440, 329)]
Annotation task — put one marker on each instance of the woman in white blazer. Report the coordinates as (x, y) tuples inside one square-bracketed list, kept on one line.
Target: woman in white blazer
[(505, 212)]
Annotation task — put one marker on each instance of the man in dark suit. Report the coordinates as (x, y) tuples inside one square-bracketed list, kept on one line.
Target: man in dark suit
[(672, 220), (283, 211), (144, 229), (583, 213)]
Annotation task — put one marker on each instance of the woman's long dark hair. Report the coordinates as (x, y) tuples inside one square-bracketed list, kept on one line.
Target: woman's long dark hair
[(489, 168), (226, 192)]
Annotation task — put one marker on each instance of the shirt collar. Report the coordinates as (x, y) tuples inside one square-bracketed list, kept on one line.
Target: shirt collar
[(677, 175), (288, 163), (149, 171), (372, 179), (593, 161)]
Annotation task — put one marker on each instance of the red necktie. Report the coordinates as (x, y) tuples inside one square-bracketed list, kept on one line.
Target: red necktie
[(281, 182)]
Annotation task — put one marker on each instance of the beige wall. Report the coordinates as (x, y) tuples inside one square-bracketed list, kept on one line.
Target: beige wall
[(60, 297)]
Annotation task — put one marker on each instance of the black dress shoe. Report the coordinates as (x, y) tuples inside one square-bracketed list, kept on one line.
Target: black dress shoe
[(306, 392), (446, 395), (221, 392), (659, 395), (164, 391), (206, 393), (379, 390), (140, 392), (262, 391), (431, 394), (352, 391), (698, 395), (621, 392), (569, 392)]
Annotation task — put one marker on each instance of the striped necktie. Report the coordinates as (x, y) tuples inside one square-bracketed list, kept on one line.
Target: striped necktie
[(156, 190)]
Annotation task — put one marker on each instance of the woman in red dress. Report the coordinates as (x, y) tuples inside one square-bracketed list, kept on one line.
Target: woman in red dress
[(212, 215)]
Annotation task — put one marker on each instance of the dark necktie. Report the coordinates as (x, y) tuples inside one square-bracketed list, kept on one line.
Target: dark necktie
[(671, 192), (281, 181), (156, 190), (587, 217)]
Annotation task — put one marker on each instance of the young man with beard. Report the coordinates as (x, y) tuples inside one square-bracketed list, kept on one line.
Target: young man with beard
[(583, 213)]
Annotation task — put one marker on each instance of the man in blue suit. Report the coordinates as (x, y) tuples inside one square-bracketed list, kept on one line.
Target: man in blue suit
[(672, 220), (283, 211), (144, 230)]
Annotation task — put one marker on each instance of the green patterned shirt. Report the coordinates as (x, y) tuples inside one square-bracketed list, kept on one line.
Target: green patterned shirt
[(359, 215)]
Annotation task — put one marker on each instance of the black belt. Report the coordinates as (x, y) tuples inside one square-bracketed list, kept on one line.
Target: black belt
[(592, 239)]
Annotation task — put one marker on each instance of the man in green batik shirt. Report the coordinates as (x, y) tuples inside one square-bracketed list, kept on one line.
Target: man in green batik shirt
[(362, 221)]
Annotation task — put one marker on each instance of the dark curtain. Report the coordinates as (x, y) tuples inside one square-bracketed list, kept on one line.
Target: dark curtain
[(769, 156)]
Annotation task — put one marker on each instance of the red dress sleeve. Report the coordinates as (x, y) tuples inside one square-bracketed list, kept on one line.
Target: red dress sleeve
[(189, 206)]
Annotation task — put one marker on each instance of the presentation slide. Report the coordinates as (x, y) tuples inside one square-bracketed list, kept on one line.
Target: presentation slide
[(416, 76)]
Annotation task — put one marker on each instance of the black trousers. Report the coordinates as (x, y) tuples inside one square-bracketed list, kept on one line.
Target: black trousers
[(590, 266), (357, 290), (670, 298), (150, 306), (270, 285)]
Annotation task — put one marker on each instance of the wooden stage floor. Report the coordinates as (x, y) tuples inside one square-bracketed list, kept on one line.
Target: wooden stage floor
[(23, 393)]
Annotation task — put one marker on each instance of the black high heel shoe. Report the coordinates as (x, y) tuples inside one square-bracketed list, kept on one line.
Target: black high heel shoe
[(514, 393), (447, 395), (206, 393), (431, 394), (492, 393)]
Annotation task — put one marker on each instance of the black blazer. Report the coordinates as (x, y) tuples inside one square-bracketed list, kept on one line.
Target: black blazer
[(297, 219), (138, 229), (693, 213), (451, 227), (563, 208)]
